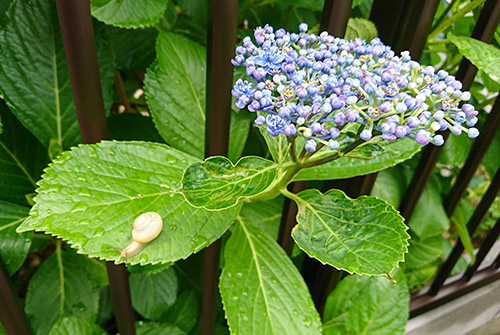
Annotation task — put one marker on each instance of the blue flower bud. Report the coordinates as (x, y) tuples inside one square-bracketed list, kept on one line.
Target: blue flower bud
[(289, 130), (460, 117), (304, 111), (386, 107), (444, 125), (423, 137), (438, 140), (366, 134), (333, 144), (472, 121), (260, 120), (303, 27), (401, 107), (473, 133), (310, 145), (284, 112), (352, 100), (254, 106), (334, 132), (389, 136), (339, 118), (438, 115), (352, 115), (456, 129)]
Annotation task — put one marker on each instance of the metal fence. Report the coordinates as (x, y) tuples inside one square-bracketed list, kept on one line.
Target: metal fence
[(403, 24)]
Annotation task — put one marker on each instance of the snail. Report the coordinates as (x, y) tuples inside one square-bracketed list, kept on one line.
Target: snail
[(147, 227)]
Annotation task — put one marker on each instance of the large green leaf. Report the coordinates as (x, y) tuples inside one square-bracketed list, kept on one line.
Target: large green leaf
[(416, 278), (216, 183), (34, 74), (262, 291), (184, 312), (390, 185), (175, 91), (491, 160), (22, 159), (153, 293), (13, 246), (129, 13), (91, 195), (76, 326), (429, 217), (62, 286), (264, 214), (278, 146), (423, 252), (364, 235), (134, 49), (365, 160), (482, 55), (367, 305), (360, 28)]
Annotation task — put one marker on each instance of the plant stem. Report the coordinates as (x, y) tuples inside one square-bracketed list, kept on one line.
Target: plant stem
[(444, 14), (293, 151), (335, 156), (121, 92), (454, 18)]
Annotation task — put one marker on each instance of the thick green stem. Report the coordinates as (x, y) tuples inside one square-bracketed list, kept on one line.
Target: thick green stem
[(275, 189)]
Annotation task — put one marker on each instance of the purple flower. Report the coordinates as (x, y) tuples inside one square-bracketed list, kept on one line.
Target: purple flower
[(310, 145)]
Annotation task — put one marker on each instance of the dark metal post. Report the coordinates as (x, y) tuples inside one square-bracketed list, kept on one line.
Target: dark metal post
[(488, 242), (335, 16), (221, 37), (472, 225), (12, 315), (79, 44)]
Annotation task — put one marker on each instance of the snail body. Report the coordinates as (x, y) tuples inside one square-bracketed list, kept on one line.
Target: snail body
[(147, 227)]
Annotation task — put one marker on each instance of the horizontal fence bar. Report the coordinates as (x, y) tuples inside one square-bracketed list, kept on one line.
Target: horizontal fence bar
[(485, 248), (221, 37), (456, 288), (472, 224), (79, 44), (12, 316)]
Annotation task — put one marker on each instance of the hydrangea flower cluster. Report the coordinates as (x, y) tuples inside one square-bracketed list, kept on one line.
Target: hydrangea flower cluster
[(318, 87)]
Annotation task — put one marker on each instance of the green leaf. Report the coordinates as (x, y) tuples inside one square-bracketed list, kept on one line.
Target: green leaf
[(128, 13), (13, 246), (175, 92), (197, 10), (390, 185), (133, 127), (134, 49), (423, 252), (367, 305), (360, 28), (429, 217), (491, 160), (484, 56), (76, 326), (389, 154), (91, 195), (153, 293), (62, 286), (184, 312), (416, 278), (465, 238), (262, 291), (238, 134), (364, 235), (264, 214), (34, 74), (310, 4), (216, 183), (22, 159), (278, 146), (156, 328), (455, 150)]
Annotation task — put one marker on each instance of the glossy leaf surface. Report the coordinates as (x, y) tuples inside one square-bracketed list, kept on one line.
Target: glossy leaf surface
[(216, 183), (129, 13), (76, 326), (91, 195), (364, 235), (34, 74), (175, 92), (262, 291)]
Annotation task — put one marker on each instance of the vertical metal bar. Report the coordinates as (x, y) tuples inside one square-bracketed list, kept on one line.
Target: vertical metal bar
[(472, 225), (12, 315), (79, 44), (386, 14), (484, 31), (335, 16), (486, 245), (288, 218), (221, 37)]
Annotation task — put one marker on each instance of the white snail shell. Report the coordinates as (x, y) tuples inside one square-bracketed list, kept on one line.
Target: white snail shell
[(147, 227)]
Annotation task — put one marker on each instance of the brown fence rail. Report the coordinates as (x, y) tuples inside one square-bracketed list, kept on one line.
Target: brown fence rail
[(403, 24)]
